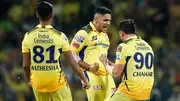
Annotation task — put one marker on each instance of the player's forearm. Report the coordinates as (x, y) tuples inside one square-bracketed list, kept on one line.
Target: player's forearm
[(77, 70), (26, 65), (74, 64), (27, 73), (84, 65), (113, 71), (117, 72), (116, 75), (80, 62)]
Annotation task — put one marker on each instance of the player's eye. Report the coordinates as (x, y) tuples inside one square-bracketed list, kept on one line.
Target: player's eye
[(107, 20)]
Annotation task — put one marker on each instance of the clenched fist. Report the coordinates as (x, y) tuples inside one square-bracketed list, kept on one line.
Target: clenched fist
[(94, 67), (85, 84)]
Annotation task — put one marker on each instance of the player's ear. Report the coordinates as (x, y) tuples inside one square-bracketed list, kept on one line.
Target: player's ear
[(51, 15), (96, 18), (121, 33), (37, 15)]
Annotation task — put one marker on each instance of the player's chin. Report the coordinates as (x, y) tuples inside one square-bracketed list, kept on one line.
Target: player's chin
[(104, 30)]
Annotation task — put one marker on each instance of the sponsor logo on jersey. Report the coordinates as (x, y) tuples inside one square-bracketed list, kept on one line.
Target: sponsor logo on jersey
[(76, 45), (43, 38), (119, 49), (94, 38), (79, 38), (118, 57)]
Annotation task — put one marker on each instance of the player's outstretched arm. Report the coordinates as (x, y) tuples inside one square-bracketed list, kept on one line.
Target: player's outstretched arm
[(76, 69), (26, 66)]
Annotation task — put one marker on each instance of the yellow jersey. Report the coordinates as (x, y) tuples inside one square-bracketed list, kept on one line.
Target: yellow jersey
[(138, 74), (45, 45), (89, 44)]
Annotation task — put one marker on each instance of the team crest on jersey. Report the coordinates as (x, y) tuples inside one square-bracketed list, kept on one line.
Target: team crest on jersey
[(118, 57), (119, 49), (79, 38), (94, 38), (76, 45)]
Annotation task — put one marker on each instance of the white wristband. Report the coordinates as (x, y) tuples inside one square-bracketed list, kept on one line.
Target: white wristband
[(109, 69), (76, 58)]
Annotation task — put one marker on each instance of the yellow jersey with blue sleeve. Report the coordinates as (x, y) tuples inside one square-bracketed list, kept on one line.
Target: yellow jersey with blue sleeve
[(45, 45), (90, 44), (138, 74)]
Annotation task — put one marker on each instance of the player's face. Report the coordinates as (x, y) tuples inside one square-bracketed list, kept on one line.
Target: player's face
[(104, 22)]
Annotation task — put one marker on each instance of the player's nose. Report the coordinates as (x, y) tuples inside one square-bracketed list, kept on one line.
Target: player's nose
[(108, 22)]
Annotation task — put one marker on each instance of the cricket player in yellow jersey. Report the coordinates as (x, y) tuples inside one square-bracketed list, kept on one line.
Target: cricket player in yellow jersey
[(134, 62), (42, 48), (89, 43)]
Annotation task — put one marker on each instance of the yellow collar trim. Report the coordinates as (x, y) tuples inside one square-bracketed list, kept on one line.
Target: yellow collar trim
[(132, 37), (92, 26), (46, 26)]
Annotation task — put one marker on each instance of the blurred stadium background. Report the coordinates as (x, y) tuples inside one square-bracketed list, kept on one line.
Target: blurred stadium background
[(158, 22)]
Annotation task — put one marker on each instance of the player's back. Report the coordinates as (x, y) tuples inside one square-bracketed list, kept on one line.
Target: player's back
[(138, 75), (45, 45)]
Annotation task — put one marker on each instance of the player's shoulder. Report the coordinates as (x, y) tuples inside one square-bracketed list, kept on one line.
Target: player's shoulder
[(63, 35), (146, 43), (87, 28), (57, 32), (105, 35), (83, 32), (122, 44), (120, 47), (33, 29), (25, 37)]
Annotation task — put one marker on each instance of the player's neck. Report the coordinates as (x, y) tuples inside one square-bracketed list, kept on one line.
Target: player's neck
[(96, 26), (44, 23), (129, 36)]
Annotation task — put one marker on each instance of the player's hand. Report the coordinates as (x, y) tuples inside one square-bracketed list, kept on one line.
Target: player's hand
[(103, 59), (94, 67), (85, 84)]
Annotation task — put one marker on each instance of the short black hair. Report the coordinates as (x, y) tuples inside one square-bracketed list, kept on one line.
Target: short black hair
[(44, 9), (102, 10), (128, 26)]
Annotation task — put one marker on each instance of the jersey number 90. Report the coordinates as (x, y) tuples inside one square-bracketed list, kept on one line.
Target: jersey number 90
[(38, 52), (142, 60)]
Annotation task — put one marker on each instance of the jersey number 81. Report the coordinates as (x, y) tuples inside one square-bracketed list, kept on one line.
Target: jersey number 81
[(39, 54)]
